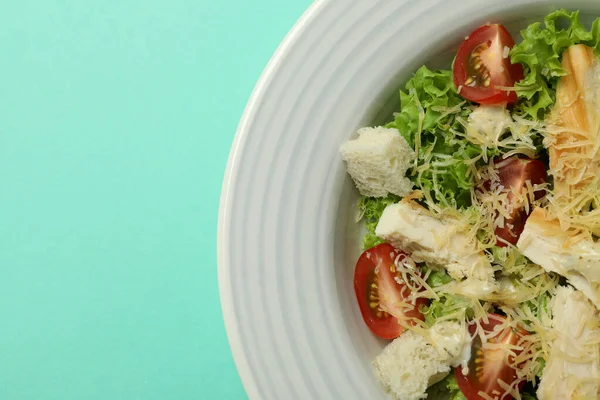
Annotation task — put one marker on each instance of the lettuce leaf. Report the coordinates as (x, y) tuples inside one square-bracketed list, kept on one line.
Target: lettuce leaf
[(428, 126), (423, 92), (438, 278), (447, 304), (540, 54), (449, 388), (371, 209), (452, 386)]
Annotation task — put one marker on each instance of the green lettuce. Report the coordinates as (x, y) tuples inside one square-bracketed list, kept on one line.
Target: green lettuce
[(425, 91), (449, 388), (540, 54), (438, 278), (371, 209), (425, 118), (528, 396), (447, 303), (540, 306), (452, 386)]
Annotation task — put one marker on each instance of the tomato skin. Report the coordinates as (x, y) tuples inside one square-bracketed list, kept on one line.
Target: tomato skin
[(481, 55), (513, 174), (374, 266), (487, 366)]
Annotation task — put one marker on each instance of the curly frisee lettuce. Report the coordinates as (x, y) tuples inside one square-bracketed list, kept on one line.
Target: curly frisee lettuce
[(540, 54)]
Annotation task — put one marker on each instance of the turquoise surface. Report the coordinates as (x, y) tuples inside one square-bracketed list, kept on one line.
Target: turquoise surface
[(116, 119)]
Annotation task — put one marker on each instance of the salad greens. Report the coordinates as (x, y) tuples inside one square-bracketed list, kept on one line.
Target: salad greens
[(540, 52), (424, 91), (447, 304), (437, 278), (540, 306), (370, 209), (428, 120), (452, 387)]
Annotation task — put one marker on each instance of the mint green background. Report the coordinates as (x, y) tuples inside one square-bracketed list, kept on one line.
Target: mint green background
[(116, 118)]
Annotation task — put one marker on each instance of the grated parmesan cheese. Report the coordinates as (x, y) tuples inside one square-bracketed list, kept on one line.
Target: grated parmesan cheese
[(493, 127)]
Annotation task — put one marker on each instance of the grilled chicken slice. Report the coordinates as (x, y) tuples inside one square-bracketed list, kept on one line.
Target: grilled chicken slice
[(409, 226), (573, 368), (573, 139), (566, 253)]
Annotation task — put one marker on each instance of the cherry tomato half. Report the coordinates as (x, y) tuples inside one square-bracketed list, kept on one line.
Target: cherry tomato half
[(379, 287), (487, 366), (482, 66), (513, 174)]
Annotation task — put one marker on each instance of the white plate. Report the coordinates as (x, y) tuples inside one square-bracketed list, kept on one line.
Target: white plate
[(287, 241)]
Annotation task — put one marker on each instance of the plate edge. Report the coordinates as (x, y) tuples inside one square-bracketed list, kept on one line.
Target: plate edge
[(223, 276)]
